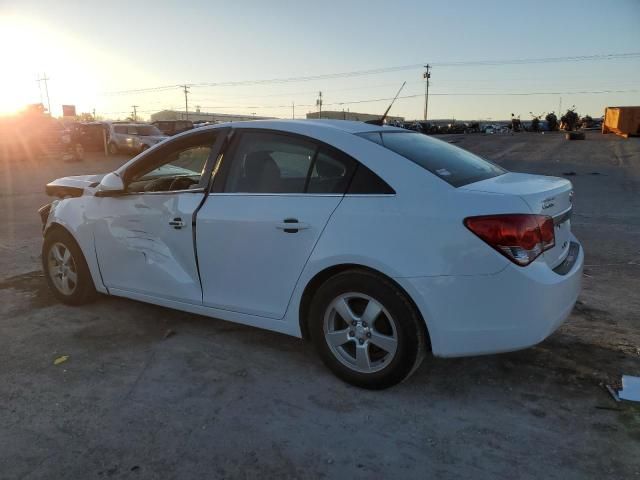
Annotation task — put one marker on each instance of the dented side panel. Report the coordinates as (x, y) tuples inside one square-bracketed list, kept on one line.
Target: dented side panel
[(138, 248)]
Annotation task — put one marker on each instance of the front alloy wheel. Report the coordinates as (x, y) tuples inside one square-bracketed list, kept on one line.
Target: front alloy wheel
[(66, 269), (62, 269)]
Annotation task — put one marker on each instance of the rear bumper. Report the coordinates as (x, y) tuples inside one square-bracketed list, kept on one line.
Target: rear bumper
[(510, 310)]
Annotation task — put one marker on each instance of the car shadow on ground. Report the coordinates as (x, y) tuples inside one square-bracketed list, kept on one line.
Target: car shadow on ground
[(565, 360)]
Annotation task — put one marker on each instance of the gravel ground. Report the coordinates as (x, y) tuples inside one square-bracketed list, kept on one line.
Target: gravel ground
[(153, 393)]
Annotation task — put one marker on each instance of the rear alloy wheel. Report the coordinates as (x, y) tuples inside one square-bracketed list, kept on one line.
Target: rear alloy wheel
[(366, 330), (66, 270), (360, 333)]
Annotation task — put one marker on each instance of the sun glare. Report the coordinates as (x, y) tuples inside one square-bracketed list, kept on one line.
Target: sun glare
[(28, 49)]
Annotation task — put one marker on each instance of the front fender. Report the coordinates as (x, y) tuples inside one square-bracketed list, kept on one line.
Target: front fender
[(69, 214)]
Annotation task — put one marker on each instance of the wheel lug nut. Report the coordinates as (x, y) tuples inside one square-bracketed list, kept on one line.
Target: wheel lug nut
[(368, 334), (364, 324), (354, 323), (351, 334), (361, 341)]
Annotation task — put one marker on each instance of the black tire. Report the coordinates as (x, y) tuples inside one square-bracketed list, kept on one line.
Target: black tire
[(409, 329), (113, 149), (83, 288)]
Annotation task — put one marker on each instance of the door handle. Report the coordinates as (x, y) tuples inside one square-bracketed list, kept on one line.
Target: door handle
[(292, 225), (176, 223)]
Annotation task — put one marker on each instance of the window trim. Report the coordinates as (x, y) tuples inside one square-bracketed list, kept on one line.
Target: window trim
[(235, 137)]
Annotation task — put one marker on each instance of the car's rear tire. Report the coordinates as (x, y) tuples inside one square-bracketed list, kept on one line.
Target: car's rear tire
[(66, 269), (366, 330)]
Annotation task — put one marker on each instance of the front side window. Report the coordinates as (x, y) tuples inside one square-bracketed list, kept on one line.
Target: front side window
[(454, 165), (175, 167)]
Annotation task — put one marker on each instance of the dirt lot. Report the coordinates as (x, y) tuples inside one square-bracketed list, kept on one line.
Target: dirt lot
[(222, 400)]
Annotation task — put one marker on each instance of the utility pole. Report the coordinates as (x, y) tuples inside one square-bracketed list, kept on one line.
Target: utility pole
[(44, 79), (94, 114), (560, 108), (293, 110), (135, 112), (186, 103), (319, 104), (426, 75), (40, 90)]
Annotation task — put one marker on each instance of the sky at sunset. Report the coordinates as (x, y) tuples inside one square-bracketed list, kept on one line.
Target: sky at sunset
[(92, 51)]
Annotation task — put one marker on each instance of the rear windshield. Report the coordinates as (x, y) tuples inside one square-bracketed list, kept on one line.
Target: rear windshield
[(452, 164)]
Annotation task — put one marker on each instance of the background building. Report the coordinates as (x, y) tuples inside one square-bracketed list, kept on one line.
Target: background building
[(203, 116), (342, 115)]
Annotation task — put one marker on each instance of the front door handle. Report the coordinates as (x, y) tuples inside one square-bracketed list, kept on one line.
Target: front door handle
[(292, 225), (176, 223)]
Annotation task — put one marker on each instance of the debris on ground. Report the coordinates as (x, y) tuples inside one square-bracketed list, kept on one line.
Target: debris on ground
[(61, 359), (612, 392), (169, 333), (630, 388), (569, 174), (575, 136)]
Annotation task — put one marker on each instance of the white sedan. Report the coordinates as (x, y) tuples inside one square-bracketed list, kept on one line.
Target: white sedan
[(379, 244)]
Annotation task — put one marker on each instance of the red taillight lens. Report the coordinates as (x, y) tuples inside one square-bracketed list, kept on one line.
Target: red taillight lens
[(519, 237)]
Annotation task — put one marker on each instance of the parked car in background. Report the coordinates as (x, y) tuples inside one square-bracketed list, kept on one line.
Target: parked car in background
[(90, 135), (379, 244), (173, 127), (133, 137)]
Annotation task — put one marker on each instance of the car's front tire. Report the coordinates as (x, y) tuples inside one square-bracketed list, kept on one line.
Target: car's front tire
[(66, 269), (366, 330)]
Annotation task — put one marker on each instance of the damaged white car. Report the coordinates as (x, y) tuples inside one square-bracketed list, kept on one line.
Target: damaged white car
[(379, 244)]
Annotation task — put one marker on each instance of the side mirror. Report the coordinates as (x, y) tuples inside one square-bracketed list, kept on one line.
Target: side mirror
[(110, 186)]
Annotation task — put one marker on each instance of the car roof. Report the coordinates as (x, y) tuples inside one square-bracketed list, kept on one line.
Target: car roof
[(347, 126)]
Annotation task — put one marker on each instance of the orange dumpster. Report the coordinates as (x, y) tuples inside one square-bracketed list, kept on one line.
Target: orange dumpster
[(623, 121)]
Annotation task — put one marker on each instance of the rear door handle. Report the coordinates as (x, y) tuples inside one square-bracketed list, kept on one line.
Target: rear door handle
[(176, 223), (292, 225)]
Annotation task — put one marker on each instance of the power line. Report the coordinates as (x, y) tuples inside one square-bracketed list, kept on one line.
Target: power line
[(386, 99), (375, 71)]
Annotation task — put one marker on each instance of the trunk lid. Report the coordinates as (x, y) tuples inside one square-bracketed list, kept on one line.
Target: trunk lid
[(544, 195)]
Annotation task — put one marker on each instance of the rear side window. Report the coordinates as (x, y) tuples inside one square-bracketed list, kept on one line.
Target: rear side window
[(270, 163), (365, 182), (331, 172), (454, 165), (120, 129)]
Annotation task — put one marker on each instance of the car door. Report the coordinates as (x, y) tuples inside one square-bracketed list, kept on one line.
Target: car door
[(144, 239), (258, 227)]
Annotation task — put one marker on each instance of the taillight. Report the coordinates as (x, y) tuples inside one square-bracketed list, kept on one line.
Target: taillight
[(519, 237)]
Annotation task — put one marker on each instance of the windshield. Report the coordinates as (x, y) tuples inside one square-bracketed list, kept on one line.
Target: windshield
[(454, 165), (143, 130)]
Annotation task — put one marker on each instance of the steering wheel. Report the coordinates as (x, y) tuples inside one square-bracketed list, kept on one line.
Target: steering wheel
[(168, 184), (181, 183), (159, 185)]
